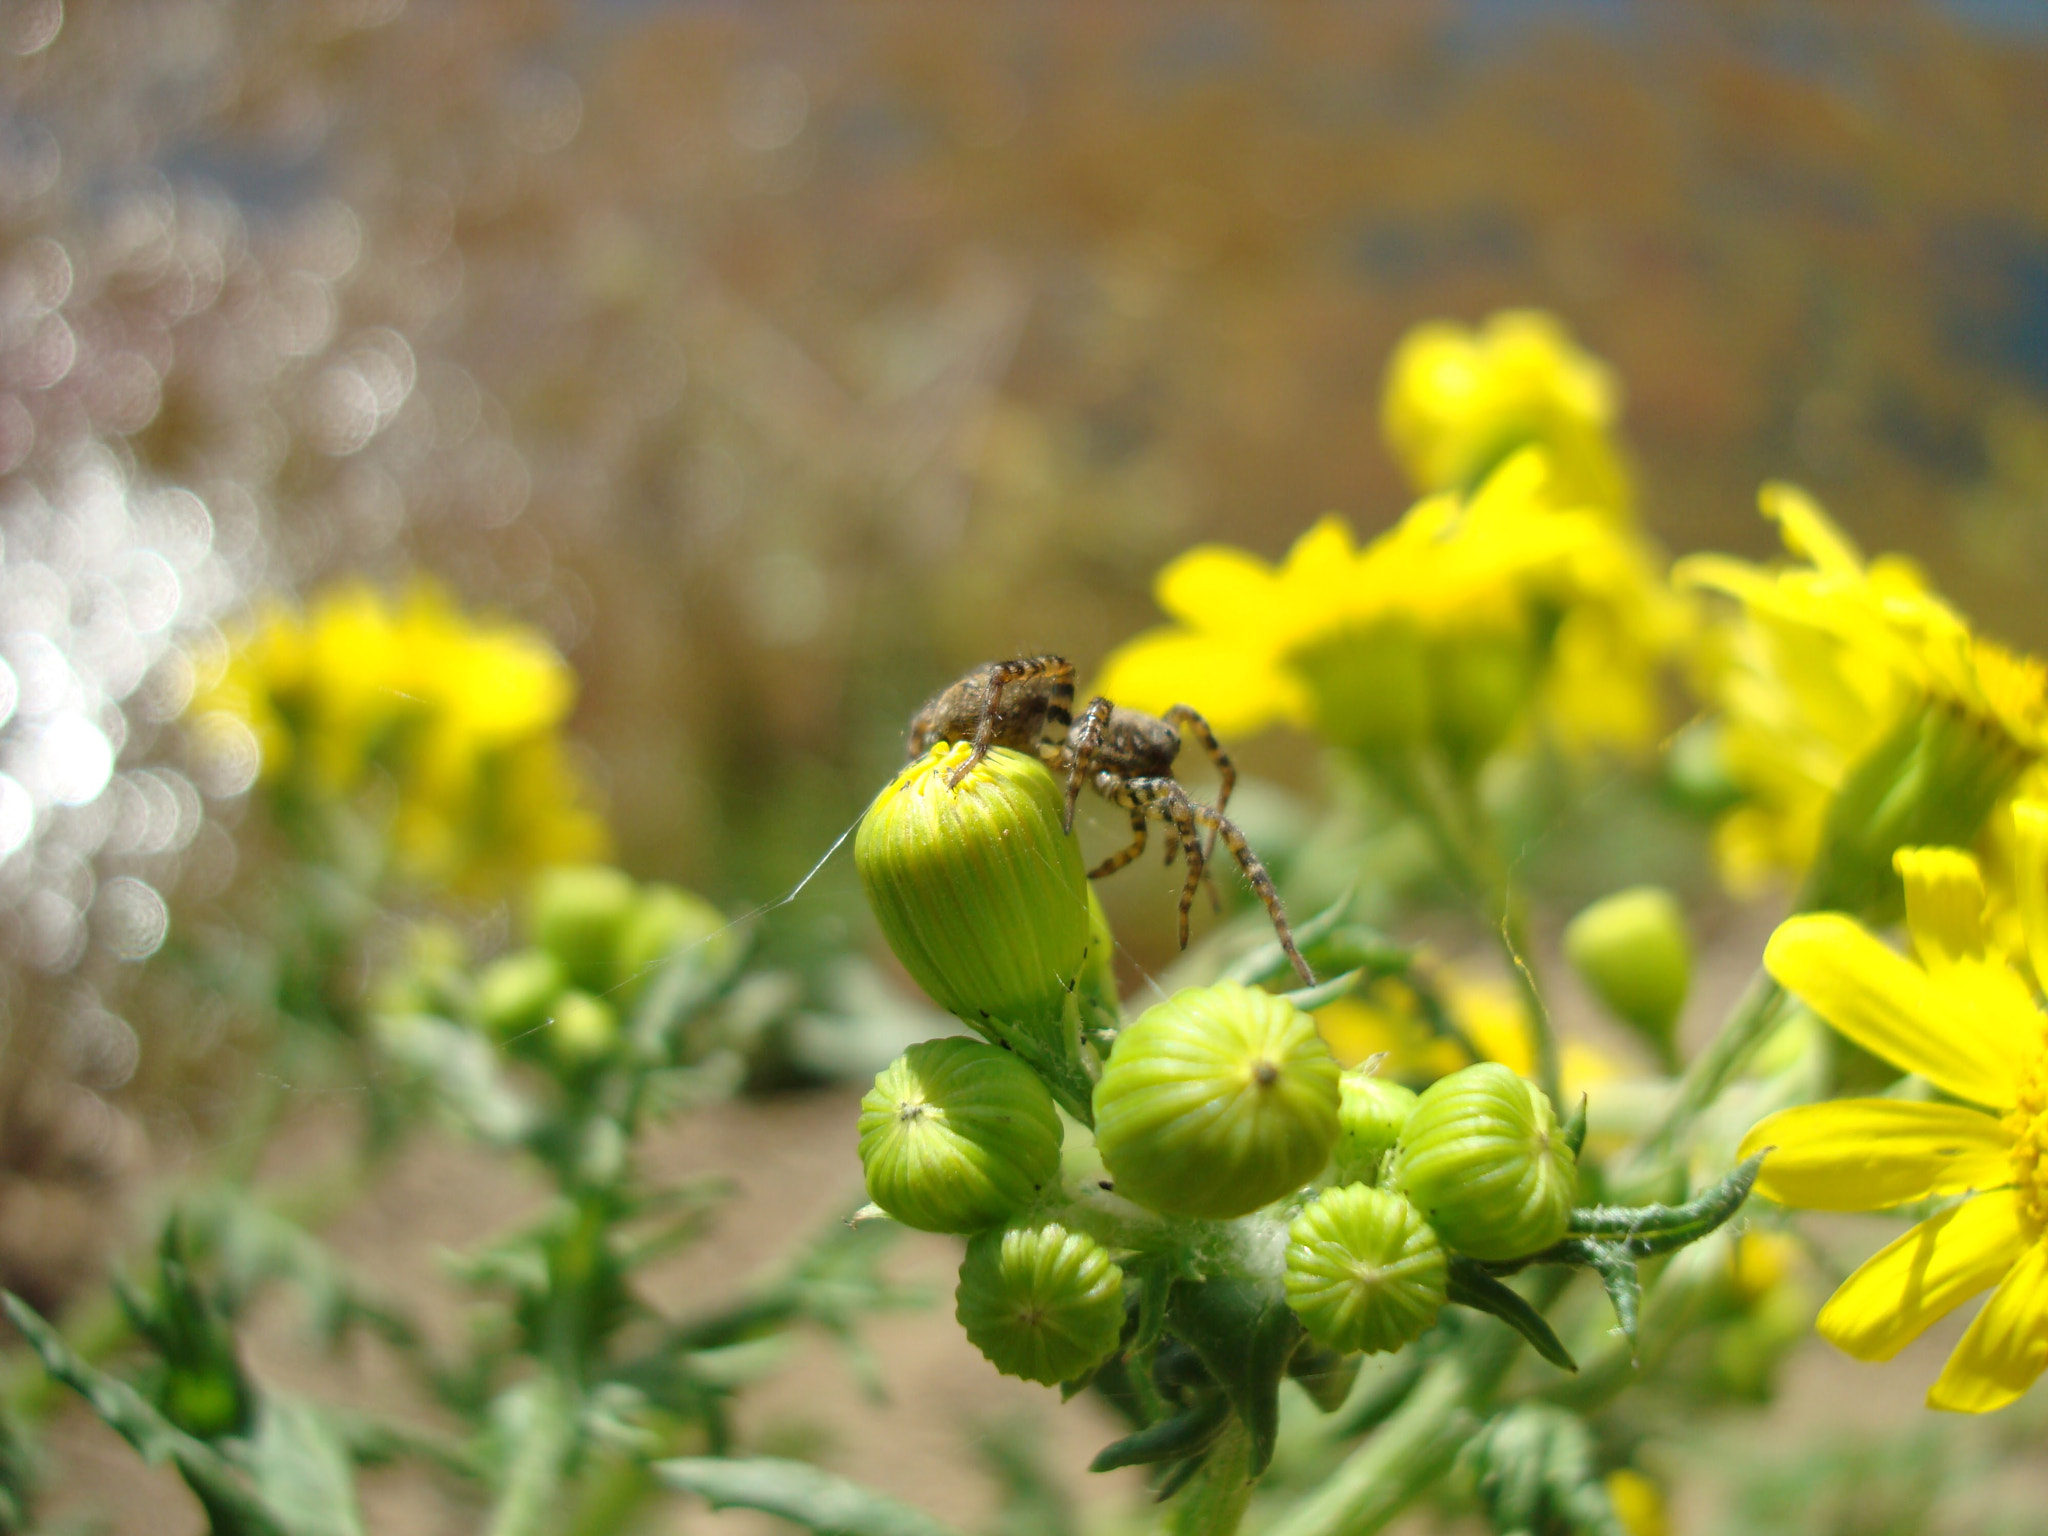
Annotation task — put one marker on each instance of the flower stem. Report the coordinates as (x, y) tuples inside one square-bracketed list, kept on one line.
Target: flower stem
[(1761, 1007), (1214, 1503), (1389, 1470)]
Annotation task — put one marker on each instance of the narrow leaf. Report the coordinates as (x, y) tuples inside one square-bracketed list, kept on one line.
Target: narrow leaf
[(1169, 1440), (1245, 1335), (795, 1490), (1472, 1286), (1651, 1229)]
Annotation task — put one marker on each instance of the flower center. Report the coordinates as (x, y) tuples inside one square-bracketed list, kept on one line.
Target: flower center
[(2029, 1124)]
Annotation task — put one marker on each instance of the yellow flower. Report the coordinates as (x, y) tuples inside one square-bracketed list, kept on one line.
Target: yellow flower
[(1458, 402), (1964, 1019), (1450, 626), (1387, 1019), (460, 714), (1638, 1503), (1858, 711)]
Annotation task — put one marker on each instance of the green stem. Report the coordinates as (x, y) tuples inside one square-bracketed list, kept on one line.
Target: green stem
[(1761, 1007), (1214, 1503), (1414, 1448), (537, 1461)]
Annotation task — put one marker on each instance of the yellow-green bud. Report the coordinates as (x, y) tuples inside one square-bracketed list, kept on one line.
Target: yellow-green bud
[(1370, 1115), (516, 993), (1041, 1302), (957, 1136), (664, 920), (977, 889), (1215, 1102), (585, 1029), (1364, 1270), (1484, 1159), (578, 912), (1631, 949)]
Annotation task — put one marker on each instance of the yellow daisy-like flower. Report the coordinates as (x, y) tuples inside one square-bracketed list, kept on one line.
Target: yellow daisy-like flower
[(1964, 1019), (1855, 705), (461, 713), (1459, 401), (1449, 627)]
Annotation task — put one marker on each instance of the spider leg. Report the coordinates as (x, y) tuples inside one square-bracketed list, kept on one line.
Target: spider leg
[(1078, 754), (1166, 800), (1003, 674), (1119, 859), (1261, 883), (1184, 717)]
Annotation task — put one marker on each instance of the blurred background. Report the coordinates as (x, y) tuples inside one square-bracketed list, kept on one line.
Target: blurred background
[(781, 363)]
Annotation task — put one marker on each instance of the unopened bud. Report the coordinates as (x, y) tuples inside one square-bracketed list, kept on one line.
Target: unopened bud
[(1041, 1302), (1631, 949), (578, 913), (1215, 1102), (585, 1029), (665, 921), (1364, 1270), (1370, 1115), (516, 993), (1486, 1161), (979, 892), (957, 1136)]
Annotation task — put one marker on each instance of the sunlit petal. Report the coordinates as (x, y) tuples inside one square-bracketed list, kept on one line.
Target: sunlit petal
[(1236, 688), (2030, 879), (1895, 1010), (1923, 1276), (1807, 530), (1944, 904), (1221, 590), (1867, 1154), (2005, 1349)]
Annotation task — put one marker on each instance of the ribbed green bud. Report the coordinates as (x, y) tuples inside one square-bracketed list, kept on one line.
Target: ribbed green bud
[(585, 1029), (665, 919), (978, 891), (578, 913), (1483, 1158), (1364, 1270), (957, 1136), (1215, 1102), (1631, 949), (516, 993), (1041, 1302), (1370, 1115)]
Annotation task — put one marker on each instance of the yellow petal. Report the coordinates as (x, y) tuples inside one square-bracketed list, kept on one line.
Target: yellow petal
[(1867, 1154), (1807, 530), (2030, 879), (2006, 1348), (1219, 590), (1893, 1009), (1944, 904), (1236, 688), (1923, 1276)]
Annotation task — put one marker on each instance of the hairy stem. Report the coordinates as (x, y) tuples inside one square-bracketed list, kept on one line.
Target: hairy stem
[(1401, 1460), (1214, 1503), (1761, 1007)]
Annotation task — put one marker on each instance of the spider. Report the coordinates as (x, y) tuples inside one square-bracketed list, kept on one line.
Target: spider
[(1126, 755)]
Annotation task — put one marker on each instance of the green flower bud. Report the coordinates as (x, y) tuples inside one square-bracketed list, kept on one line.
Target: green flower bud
[(1041, 1302), (664, 920), (585, 1029), (578, 912), (516, 993), (1483, 1157), (1364, 1270), (1631, 949), (1370, 1115), (1215, 1102), (978, 891), (957, 1136)]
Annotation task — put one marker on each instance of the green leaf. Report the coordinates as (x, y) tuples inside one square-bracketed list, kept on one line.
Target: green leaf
[(1575, 1128), (1185, 1434), (302, 1470), (1472, 1285), (230, 1507), (1326, 1376), (1643, 1230), (795, 1490), (1245, 1334)]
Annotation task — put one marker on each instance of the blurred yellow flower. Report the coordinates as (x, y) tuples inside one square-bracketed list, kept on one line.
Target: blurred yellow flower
[(1638, 1503), (1388, 1018), (1965, 1020), (1459, 401), (1857, 710), (1450, 627), (458, 715)]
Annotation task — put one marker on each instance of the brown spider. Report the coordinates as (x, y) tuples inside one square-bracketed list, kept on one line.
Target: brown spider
[(1027, 705)]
